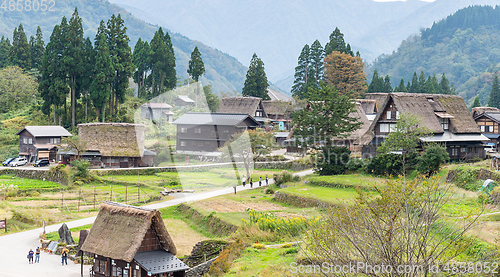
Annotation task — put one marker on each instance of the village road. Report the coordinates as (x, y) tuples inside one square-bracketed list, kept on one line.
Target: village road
[(15, 247)]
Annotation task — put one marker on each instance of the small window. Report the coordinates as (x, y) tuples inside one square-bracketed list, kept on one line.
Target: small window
[(197, 130), (184, 130), (258, 113), (445, 123), (183, 143), (392, 127), (389, 114), (430, 99), (483, 129), (397, 114), (25, 140), (384, 128), (462, 149), (226, 131)]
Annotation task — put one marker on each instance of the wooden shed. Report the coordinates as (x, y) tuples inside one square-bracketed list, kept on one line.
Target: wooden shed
[(129, 241)]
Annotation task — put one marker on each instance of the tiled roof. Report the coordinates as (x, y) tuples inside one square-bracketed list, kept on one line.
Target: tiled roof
[(228, 119), (46, 131)]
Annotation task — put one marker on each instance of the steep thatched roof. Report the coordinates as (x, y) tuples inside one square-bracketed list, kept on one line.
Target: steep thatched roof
[(358, 136), (368, 105), (274, 108), (430, 107), (113, 139), (119, 230), (479, 110), (247, 105), (380, 98)]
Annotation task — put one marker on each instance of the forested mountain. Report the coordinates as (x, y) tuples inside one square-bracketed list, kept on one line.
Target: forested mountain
[(277, 30), (465, 46), (224, 72)]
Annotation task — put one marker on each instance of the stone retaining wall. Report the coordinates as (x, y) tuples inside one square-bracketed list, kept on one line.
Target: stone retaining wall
[(200, 269), (45, 175), (216, 225)]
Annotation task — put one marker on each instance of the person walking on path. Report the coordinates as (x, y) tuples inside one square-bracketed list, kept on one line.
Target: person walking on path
[(260, 181), (30, 256), (243, 181), (37, 255), (64, 256), (251, 182), (267, 180)]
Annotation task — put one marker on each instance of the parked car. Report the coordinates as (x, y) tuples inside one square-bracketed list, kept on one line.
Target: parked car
[(6, 162), (40, 163), (490, 148), (18, 162)]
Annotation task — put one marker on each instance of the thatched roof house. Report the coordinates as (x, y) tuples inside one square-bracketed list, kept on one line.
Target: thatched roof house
[(122, 236), (480, 110), (446, 116), (247, 105)]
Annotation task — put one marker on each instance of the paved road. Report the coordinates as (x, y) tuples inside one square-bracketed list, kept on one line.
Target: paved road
[(15, 247)]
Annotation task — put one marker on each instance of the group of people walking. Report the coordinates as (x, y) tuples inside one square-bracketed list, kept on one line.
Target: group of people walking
[(36, 255), (243, 181)]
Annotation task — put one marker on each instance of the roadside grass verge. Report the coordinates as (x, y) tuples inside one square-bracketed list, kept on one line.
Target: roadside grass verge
[(325, 194)]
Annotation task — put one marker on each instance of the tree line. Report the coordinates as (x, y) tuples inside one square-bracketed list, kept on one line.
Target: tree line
[(92, 75), (420, 84)]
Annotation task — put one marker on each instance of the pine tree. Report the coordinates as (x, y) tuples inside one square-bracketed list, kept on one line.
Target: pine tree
[(494, 100), (72, 59), (414, 87), (37, 49), (121, 59), (476, 102), (429, 86), (401, 87), (140, 55), (256, 81), (100, 89), (196, 66), (316, 57), (162, 59), (52, 87), (335, 43), (435, 84), (301, 73), (4, 52), (421, 83), (85, 80), (387, 84), (444, 85), (20, 53), (377, 83)]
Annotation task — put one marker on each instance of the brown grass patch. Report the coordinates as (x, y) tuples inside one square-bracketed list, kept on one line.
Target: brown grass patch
[(488, 231), (183, 236), (227, 205)]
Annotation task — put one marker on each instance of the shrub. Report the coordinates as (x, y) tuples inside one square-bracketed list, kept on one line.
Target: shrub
[(284, 177), (354, 164), (259, 246), (390, 164), (466, 178), (333, 160), (431, 159), (223, 263), (269, 190), (284, 225)]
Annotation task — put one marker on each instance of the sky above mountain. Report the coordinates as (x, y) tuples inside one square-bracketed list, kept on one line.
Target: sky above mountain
[(277, 30)]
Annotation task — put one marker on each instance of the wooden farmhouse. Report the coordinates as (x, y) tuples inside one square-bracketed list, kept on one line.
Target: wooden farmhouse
[(446, 116), (157, 111), (253, 106), (206, 132), (40, 142), (113, 145), (128, 241), (488, 120)]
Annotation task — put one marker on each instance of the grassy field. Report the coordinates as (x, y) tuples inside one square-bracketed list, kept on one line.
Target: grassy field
[(263, 262), (349, 179), (330, 195)]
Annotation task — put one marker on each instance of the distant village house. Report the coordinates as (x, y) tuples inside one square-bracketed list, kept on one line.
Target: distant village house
[(157, 111), (40, 142), (183, 100)]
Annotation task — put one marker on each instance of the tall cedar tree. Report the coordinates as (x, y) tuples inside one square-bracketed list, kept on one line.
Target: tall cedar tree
[(327, 117), (377, 83), (476, 103), (421, 83), (414, 87), (73, 58), (37, 50), (4, 52), (20, 53), (387, 84), (337, 43), (317, 55), (346, 74), (445, 86), (162, 59), (401, 87), (121, 58), (140, 57), (256, 81), (196, 66), (53, 86), (100, 89), (88, 63), (301, 72), (494, 100)]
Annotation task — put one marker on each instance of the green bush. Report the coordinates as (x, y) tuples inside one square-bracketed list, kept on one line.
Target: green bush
[(390, 164), (284, 177), (333, 160), (431, 159), (354, 164), (466, 178)]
